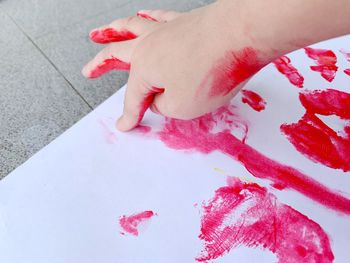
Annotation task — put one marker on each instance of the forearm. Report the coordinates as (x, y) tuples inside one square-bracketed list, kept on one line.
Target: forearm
[(284, 26)]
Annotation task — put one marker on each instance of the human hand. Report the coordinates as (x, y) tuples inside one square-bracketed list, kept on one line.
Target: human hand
[(182, 65)]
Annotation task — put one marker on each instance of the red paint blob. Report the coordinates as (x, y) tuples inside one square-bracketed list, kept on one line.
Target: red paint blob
[(283, 65), (326, 62), (235, 68), (253, 100), (200, 135), (108, 65), (146, 16), (327, 102), (131, 223), (313, 138), (347, 71), (245, 214), (108, 35)]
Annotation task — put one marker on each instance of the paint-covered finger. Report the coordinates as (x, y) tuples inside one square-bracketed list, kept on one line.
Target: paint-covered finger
[(114, 57), (121, 30), (159, 15), (138, 98)]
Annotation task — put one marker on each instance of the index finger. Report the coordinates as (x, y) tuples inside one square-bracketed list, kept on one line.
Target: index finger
[(138, 98)]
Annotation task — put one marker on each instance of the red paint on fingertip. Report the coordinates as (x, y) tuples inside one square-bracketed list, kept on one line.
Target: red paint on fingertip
[(326, 62), (143, 129), (205, 135), (313, 138), (254, 100), (235, 68), (108, 65), (108, 35), (131, 223), (284, 66), (246, 214), (146, 16)]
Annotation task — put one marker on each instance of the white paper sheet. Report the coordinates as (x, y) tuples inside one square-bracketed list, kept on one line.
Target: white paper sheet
[(63, 204)]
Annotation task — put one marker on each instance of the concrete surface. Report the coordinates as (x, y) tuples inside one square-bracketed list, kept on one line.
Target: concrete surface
[(43, 46)]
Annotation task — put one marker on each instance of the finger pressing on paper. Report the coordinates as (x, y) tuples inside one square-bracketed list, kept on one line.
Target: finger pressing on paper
[(121, 30), (114, 57), (158, 15), (138, 98)]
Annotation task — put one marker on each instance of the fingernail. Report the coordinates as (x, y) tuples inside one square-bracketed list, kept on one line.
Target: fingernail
[(121, 124), (143, 11), (84, 71), (93, 32), (117, 124)]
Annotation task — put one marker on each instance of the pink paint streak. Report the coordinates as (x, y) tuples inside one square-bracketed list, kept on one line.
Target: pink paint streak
[(108, 65), (131, 223), (246, 214), (108, 135), (313, 138), (253, 99), (235, 68), (108, 35), (200, 135), (347, 56), (326, 62), (284, 66), (146, 16)]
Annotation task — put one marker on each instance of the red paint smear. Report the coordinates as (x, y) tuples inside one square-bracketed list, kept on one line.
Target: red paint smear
[(246, 214), (284, 66), (327, 102), (142, 129), (108, 65), (131, 223), (146, 16), (148, 100), (108, 35), (109, 136), (253, 100), (313, 138), (199, 135), (326, 62), (347, 71), (232, 70)]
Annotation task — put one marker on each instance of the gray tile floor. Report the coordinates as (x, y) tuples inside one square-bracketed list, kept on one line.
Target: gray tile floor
[(43, 46)]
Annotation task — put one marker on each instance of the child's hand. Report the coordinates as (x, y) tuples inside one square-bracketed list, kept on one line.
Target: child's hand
[(182, 66), (185, 65)]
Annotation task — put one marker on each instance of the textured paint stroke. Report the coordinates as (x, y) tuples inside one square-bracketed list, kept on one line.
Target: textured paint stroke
[(325, 60), (246, 214), (313, 138), (253, 99), (130, 224), (284, 66), (212, 132)]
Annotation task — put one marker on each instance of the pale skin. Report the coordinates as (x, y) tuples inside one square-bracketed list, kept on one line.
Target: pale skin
[(178, 51)]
